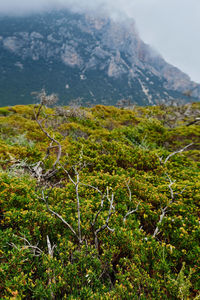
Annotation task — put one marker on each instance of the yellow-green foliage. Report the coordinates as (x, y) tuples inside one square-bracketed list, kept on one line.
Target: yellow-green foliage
[(123, 151)]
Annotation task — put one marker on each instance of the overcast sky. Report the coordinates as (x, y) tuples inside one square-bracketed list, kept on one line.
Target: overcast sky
[(172, 27)]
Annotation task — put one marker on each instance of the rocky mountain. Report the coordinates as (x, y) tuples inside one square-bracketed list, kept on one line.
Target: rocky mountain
[(81, 56)]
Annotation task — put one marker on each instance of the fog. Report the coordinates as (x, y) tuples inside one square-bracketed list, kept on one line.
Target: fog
[(171, 26)]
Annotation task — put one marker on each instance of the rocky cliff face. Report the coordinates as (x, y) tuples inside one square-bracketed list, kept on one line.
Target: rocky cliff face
[(75, 55)]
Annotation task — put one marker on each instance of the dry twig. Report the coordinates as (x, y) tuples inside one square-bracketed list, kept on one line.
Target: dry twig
[(130, 212)]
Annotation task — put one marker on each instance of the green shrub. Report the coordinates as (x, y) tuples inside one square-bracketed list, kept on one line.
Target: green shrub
[(141, 253)]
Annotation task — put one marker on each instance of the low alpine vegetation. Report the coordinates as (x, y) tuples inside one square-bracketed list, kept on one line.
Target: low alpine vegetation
[(99, 203)]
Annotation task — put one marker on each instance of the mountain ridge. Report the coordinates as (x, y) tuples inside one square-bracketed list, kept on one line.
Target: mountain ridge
[(78, 55)]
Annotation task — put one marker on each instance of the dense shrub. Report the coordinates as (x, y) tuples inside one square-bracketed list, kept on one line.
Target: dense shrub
[(148, 244)]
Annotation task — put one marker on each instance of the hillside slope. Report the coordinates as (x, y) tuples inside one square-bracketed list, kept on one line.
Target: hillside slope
[(76, 55), (99, 203)]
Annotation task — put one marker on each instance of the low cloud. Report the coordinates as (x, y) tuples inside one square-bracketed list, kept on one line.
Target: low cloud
[(17, 7)]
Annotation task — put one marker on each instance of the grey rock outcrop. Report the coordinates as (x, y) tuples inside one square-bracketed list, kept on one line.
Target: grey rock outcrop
[(94, 58)]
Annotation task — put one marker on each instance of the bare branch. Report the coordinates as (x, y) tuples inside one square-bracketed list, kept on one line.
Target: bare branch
[(176, 152), (50, 247), (58, 216), (50, 172), (99, 211), (78, 204), (14, 246), (51, 278), (37, 252), (193, 122), (164, 210), (172, 194), (47, 100), (76, 184), (38, 170), (160, 158), (93, 187), (70, 178), (27, 245), (110, 229), (103, 227), (48, 150), (182, 190), (156, 231), (172, 154), (102, 201), (130, 212), (170, 188)]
